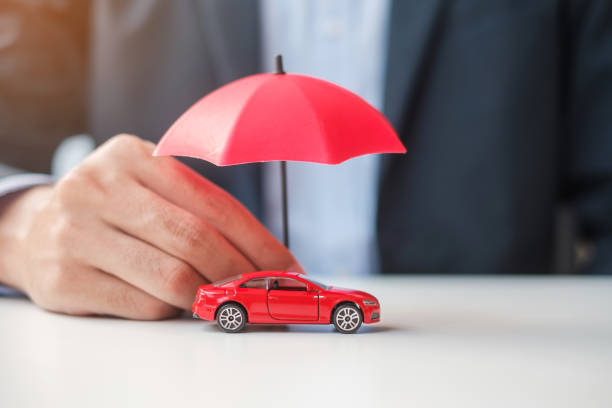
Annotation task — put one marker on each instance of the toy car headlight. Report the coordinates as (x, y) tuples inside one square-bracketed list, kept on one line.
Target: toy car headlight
[(369, 302)]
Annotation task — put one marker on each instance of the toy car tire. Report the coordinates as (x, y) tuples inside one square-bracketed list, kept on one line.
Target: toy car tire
[(347, 318), (231, 318)]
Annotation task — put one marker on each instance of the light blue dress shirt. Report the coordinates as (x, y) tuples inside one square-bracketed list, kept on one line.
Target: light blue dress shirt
[(332, 209)]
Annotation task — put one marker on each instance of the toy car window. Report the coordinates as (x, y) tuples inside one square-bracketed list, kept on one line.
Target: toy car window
[(257, 283), (316, 283), (287, 284)]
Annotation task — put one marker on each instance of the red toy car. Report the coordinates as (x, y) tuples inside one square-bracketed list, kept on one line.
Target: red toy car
[(283, 298)]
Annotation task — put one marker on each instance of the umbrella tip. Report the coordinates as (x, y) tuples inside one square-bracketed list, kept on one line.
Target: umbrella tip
[(278, 59)]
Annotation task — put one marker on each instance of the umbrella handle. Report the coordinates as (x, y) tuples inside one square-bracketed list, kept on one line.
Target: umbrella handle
[(283, 166), (278, 59)]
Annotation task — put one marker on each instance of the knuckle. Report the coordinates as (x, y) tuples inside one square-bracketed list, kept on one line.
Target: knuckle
[(55, 286), (222, 209), (146, 147), (157, 310), (46, 301), (111, 178), (178, 279), (189, 233), (64, 234), (124, 298), (70, 189), (105, 176), (123, 141), (88, 175), (126, 145), (39, 295), (141, 307), (78, 186)]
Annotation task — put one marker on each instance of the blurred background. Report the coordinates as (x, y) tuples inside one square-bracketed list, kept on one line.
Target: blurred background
[(504, 107)]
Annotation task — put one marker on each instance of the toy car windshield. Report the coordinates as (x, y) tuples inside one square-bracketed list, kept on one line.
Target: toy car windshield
[(314, 282)]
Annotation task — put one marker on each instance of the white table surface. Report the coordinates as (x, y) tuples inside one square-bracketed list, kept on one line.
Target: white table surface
[(478, 342)]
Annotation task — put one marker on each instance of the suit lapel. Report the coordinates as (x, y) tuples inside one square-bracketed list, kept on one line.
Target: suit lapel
[(230, 34), (414, 28)]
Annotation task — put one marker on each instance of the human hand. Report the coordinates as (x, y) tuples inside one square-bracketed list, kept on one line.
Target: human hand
[(130, 235)]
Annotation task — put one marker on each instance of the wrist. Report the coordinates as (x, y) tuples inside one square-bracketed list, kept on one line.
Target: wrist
[(16, 215)]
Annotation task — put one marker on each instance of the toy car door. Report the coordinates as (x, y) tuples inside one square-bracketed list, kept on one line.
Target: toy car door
[(289, 299), (254, 296)]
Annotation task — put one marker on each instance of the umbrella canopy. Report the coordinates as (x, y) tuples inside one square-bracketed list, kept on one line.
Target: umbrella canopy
[(279, 117), (271, 117)]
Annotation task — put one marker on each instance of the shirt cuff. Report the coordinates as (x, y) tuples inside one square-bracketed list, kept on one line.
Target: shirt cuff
[(13, 184), (18, 182), (10, 292)]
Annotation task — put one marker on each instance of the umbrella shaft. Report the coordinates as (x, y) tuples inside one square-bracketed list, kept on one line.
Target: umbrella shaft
[(283, 165)]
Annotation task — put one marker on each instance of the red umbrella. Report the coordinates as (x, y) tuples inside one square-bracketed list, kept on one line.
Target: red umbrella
[(279, 117)]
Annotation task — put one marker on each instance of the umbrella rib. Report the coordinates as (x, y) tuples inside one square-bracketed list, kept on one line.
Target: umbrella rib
[(316, 117), (237, 121)]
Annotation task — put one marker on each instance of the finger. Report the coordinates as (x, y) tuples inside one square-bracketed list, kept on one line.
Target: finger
[(185, 188), (86, 291), (152, 219), (142, 265)]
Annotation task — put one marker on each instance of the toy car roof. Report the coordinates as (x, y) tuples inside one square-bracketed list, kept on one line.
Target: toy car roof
[(263, 274), (257, 274)]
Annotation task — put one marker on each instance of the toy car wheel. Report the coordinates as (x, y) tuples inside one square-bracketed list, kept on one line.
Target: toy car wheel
[(231, 318), (347, 319)]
